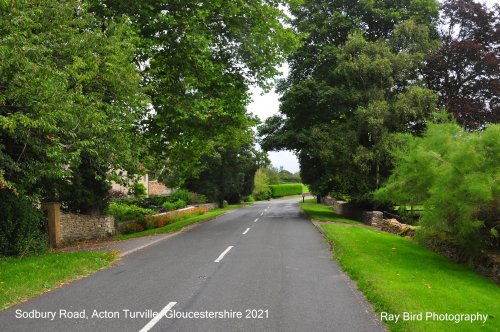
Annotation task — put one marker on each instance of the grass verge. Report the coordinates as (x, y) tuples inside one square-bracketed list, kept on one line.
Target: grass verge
[(25, 277), (178, 225), (322, 212), (400, 276)]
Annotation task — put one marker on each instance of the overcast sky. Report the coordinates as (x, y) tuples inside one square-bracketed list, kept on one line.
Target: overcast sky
[(264, 106)]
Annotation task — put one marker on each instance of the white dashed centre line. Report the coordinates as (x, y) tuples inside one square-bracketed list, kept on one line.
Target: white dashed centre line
[(256, 220), (246, 231), (223, 254), (262, 214), (157, 318)]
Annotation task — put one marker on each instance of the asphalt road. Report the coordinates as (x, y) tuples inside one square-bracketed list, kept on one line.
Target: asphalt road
[(265, 261)]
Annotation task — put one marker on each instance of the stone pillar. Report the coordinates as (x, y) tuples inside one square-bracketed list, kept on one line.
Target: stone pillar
[(54, 219), (373, 218)]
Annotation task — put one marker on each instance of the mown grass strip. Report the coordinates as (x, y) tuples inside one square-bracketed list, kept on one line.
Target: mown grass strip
[(322, 212), (178, 225), (400, 276), (25, 277)]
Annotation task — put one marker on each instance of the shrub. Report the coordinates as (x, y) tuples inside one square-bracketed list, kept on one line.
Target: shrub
[(157, 200), (169, 206), (454, 175), (248, 199), (179, 204), (124, 212), (180, 194), (131, 201), (261, 190), (287, 189), (139, 190), (198, 199), (22, 226), (225, 204)]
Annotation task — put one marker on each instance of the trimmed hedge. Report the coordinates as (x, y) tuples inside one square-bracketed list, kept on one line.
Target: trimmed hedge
[(286, 189)]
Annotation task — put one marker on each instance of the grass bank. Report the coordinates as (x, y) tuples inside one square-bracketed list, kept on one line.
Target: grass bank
[(26, 277), (322, 212), (400, 276), (179, 224)]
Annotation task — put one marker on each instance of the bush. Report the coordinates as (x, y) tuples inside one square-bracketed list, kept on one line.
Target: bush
[(248, 199), (280, 190), (22, 226), (157, 200), (261, 190), (198, 199), (131, 201), (179, 204), (124, 212), (454, 175), (181, 194), (225, 204), (169, 206), (139, 190)]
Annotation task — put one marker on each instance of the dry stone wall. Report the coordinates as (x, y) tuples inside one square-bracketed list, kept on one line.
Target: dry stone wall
[(76, 227)]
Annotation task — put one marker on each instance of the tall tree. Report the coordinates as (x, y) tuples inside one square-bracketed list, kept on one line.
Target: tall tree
[(352, 84), (466, 69), (228, 173), (199, 59), (70, 96)]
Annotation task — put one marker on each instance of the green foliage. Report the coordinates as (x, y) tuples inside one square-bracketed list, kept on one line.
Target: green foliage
[(155, 200), (22, 226), (138, 190), (86, 191), (23, 278), (277, 176), (261, 190), (179, 204), (454, 175), (180, 194), (249, 199), (229, 173), (352, 84), (70, 98), (169, 206), (125, 212), (395, 274), (280, 190), (198, 199), (178, 224), (198, 74)]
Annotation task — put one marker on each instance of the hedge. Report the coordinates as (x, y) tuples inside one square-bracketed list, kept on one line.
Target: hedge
[(287, 189)]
